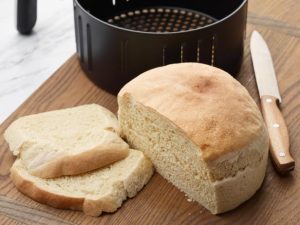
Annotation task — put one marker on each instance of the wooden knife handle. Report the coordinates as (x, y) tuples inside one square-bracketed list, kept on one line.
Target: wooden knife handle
[(279, 138)]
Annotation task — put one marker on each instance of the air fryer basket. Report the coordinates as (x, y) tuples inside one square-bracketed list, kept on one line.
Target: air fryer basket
[(117, 40)]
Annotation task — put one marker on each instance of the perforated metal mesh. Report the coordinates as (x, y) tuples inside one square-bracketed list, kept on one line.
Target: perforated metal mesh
[(161, 19)]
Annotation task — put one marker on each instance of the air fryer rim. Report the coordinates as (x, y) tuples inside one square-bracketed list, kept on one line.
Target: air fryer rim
[(216, 23)]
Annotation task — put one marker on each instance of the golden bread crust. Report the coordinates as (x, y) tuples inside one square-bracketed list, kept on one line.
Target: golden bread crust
[(213, 109)]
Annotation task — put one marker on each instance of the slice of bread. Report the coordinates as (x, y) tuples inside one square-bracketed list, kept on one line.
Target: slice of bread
[(67, 142), (101, 190), (201, 129)]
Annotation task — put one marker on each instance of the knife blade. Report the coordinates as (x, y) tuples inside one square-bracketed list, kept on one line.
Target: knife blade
[(270, 98)]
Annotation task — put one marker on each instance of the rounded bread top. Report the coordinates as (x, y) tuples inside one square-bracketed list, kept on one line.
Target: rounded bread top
[(213, 109)]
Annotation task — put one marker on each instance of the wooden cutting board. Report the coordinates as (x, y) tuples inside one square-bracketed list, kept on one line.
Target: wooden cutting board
[(277, 202)]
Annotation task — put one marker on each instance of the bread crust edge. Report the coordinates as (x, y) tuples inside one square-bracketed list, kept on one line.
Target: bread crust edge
[(32, 190), (86, 161)]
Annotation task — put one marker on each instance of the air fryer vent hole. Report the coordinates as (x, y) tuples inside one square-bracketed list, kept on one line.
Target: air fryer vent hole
[(164, 56), (181, 53), (198, 51), (213, 49), (161, 19)]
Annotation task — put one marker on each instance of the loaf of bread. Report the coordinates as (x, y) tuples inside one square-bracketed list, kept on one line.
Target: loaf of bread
[(102, 190), (200, 128), (67, 142)]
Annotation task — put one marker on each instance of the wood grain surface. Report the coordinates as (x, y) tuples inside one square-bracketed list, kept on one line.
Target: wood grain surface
[(277, 202)]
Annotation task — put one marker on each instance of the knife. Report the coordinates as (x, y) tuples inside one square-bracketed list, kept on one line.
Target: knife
[(270, 100)]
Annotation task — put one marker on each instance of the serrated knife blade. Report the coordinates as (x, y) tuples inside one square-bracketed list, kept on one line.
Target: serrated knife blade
[(263, 67)]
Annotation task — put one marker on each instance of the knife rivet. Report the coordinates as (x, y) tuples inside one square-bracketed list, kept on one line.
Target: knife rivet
[(281, 154), (275, 125), (268, 100)]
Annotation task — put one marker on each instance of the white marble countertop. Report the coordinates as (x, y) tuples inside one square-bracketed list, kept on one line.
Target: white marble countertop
[(27, 61)]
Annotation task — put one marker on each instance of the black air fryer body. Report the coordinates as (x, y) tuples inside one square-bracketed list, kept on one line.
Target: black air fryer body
[(112, 52)]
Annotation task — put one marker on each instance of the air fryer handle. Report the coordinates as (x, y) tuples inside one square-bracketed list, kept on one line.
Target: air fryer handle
[(26, 15)]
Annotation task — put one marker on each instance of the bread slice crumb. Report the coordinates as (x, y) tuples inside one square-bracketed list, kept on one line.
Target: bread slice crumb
[(102, 190), (67, 141)]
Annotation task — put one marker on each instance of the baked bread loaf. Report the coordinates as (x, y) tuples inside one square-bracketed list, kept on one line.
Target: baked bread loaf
[(200, 128), (101, 190), (67, 142)]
